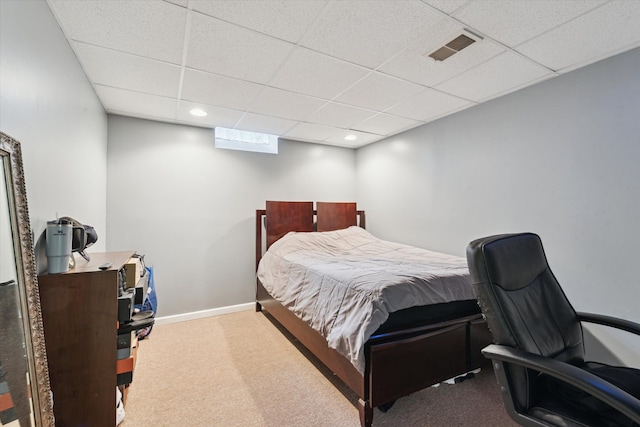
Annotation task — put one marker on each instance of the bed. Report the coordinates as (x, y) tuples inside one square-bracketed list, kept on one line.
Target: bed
[(405, 347)]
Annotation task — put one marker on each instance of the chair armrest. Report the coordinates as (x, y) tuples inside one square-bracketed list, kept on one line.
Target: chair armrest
[(614, 322), (579, 378)]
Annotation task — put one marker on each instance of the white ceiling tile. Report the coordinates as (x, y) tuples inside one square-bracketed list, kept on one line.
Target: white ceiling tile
[(125, 71), (287, 20), (342, 144), (515, 21), (362, 138), (386, 124), (183, 3), (582, 41), (286, 105), (215, 116), (212, 89), (265, 124), (414, 65), (378, 91), (126, 102), (368, 32), (504, 73), (429, 105), (447, 6), (223, 48), (316, 74), (339, 115), (312, 68), (311, 132), (153, 29)]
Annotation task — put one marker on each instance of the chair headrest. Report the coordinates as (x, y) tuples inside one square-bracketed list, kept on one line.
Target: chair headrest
[(511, 260), (520, 297)]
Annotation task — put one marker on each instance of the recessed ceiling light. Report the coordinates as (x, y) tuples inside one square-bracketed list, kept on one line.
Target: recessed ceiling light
[(350, 137), (198, 112)]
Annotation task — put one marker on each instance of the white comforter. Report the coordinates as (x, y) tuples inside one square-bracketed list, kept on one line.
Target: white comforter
[(345, 283)]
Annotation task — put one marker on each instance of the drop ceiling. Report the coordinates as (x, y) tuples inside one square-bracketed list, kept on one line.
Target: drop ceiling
[(317, 71)]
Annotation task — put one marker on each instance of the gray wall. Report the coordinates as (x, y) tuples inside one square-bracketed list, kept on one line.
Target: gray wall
[(559, 159), (190, 208), (47, 103)]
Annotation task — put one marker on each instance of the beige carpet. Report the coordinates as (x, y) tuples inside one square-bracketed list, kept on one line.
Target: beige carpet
[(240, 370)]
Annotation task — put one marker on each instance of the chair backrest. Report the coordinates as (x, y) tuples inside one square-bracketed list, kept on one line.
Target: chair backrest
[(521, 299)]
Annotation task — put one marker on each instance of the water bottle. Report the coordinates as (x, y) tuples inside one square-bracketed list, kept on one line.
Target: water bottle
[(58, 245)]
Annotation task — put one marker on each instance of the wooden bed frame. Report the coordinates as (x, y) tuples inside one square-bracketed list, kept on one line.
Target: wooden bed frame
[(397, 363)]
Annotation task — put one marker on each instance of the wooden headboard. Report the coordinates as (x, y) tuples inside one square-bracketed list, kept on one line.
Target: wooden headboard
[(282, 217), (335, 216)]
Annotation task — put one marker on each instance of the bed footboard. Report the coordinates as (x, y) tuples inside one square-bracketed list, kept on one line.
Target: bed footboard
[(398, 363), (399, 366)]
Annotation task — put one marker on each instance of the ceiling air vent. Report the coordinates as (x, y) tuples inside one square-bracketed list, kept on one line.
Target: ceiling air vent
[(451, 48)]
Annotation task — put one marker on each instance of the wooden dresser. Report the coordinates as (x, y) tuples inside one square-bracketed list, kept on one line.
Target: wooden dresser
[(80, 318)]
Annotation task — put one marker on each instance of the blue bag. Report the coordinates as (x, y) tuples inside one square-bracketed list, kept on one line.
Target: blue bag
[(150, 303)]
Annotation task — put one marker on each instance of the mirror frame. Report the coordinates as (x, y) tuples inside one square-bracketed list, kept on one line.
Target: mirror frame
[(27, 282)]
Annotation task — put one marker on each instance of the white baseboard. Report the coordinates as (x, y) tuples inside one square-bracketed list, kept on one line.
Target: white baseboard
[(165, 320)]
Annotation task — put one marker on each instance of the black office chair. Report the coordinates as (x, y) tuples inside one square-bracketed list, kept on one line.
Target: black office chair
[(538, 350)]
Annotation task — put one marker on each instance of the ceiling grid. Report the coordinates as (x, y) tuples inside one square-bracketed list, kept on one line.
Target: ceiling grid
[(319, 70)]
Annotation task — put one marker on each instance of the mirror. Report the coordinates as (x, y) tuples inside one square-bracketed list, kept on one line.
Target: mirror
[(24, 375)]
